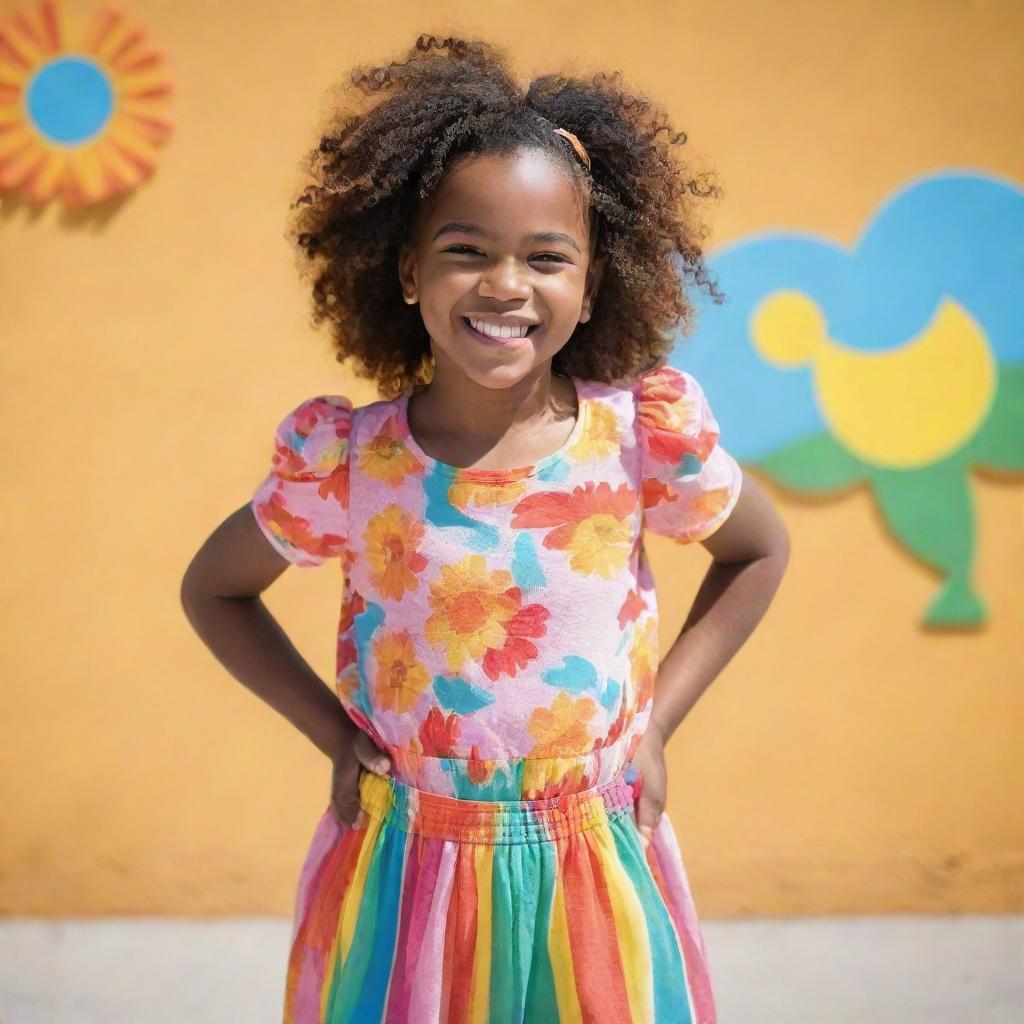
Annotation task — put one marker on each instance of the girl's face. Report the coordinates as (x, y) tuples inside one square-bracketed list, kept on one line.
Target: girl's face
[(505, 240)]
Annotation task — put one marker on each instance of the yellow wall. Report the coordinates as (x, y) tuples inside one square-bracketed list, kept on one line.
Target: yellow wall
[(844, 761)]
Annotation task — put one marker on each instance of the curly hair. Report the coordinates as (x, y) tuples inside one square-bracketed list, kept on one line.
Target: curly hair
[(386, 146)]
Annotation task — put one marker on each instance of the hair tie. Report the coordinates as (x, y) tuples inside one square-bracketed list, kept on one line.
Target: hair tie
[(576, 144)]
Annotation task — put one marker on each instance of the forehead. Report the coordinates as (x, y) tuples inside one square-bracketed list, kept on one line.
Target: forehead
[(523, 190)]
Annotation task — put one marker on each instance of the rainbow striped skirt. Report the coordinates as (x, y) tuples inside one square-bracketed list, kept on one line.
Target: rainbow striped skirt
[(436, 909)]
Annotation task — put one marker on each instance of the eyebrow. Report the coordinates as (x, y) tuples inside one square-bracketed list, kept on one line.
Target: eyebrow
[(466, 228)]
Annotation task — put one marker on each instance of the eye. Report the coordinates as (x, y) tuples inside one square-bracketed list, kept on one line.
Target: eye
[(546, 257)]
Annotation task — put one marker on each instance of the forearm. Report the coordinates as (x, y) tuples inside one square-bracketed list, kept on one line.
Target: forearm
[(730, 602), (249, 642)]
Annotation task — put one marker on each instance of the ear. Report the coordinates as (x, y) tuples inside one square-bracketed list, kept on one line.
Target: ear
[(407, 272), (594, 274)]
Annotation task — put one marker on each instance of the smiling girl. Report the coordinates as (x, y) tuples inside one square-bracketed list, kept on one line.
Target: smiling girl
[(509, 264)]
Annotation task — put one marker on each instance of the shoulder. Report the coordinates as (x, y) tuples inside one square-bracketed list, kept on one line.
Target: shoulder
[(312, 437), (322, 412), (673, 416)]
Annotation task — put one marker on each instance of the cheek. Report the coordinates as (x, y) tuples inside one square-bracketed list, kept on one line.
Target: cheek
[(438, 297), (562, 303), (561, 300), (443, 292)]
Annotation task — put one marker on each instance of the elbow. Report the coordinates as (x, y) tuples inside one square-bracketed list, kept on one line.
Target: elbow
[(779, 552), (189, 591), (776, 538), (783, 546), (185, 594)]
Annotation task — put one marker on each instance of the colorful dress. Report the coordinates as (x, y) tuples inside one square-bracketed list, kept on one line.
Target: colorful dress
[(499, 639)]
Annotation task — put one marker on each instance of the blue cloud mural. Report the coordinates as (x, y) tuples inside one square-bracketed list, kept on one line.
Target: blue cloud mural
[(897, 363)]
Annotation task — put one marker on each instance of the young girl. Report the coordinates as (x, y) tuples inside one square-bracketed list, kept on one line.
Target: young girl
[(507, 263)]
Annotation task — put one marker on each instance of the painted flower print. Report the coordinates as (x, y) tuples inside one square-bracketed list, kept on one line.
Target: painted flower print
[(498, 591), (384, 457), (591, 522), (301, 504), (562, 729), (439, 734), (392, 538), (690, 483), (498, 638), (479, 615), (400, 676)]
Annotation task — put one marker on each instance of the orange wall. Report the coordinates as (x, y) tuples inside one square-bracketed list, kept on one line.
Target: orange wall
[(844, 761)]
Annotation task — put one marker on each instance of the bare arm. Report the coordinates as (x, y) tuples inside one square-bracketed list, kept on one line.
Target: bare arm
[(750, 551), (220, 593)]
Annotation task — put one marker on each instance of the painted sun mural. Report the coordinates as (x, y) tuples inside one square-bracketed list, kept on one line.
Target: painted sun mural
[(82, 105)]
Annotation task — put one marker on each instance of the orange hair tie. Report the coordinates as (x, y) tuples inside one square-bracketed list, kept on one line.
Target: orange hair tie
[(576, 144)]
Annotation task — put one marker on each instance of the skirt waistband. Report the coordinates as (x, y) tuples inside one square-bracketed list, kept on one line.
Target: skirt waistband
[(492, 822)]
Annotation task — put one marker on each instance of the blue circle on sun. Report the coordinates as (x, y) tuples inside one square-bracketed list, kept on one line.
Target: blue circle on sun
[(70, 100)]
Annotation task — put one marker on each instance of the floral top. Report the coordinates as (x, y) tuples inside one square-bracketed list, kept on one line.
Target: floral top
[(499, 628)]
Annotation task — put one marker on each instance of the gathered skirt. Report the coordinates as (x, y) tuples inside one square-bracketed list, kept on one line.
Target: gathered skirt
[(436, 910)]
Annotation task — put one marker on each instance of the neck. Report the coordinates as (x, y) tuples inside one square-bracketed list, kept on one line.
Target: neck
[(454, 404)]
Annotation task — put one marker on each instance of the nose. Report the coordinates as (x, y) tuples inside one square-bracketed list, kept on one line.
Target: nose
[(505, 280)]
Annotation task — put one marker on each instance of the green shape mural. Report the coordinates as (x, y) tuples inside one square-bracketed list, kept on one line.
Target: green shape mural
[(898, 364)]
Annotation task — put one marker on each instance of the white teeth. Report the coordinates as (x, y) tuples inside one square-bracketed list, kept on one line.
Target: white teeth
[(498, 330)]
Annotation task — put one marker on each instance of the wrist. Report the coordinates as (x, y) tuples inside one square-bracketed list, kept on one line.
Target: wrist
[(659, 728), (342, 740)]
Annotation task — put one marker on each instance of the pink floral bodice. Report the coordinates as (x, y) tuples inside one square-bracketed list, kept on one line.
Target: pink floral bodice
[(499, 628)]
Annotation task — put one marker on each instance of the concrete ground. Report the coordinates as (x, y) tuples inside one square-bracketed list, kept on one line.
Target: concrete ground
[(866, 970)]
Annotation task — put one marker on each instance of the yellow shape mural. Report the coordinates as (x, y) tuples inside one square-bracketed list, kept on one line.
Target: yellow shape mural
[(901, 408)]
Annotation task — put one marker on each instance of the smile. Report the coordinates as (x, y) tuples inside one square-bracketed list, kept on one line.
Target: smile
[(507, 341)]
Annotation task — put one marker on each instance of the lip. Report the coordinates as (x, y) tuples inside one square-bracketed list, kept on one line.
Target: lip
[(505, 318), (498, 342)]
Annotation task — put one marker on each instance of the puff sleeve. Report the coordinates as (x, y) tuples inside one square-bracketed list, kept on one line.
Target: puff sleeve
[(302, 504), (690, 482)]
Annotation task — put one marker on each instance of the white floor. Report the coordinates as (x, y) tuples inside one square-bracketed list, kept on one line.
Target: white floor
[(870, 970)]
